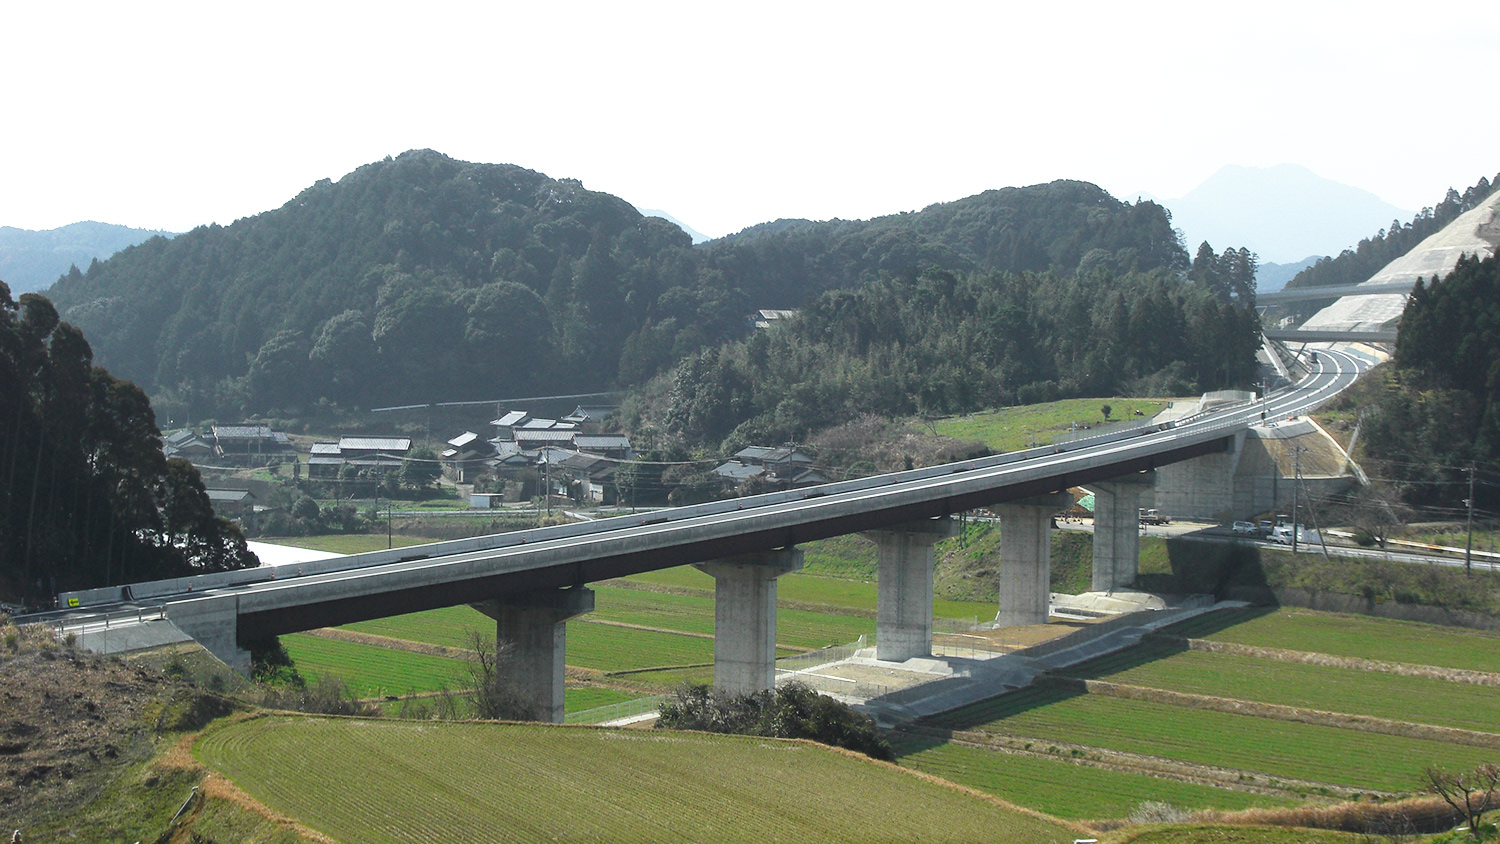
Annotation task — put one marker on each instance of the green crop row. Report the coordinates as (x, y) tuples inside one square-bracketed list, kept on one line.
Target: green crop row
[(383, 781)]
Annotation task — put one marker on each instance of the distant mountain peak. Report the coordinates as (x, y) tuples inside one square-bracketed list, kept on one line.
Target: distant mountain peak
[(1282, 213)]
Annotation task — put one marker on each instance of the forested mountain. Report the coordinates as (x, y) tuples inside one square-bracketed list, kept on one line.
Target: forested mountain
[(422, 278), (86, 496), (1358, 264), (1063, 226), (33, 260)]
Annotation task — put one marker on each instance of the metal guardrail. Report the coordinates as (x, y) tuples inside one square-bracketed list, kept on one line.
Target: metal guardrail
[(77, 624), (616, 711)]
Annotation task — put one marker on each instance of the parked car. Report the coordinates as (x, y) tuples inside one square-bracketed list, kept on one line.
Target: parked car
[(1245, 529)]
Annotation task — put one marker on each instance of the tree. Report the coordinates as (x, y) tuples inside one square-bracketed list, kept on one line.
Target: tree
[(791, 710), (1106, 410), (86, 496), (1470, 793), (421, 468)]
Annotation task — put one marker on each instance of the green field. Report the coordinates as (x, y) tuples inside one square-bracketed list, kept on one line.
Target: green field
[(372, 671), (1267, 748), (1423, 701), (1017, 428), (1067, 790), (1358, 636), (396, 781)]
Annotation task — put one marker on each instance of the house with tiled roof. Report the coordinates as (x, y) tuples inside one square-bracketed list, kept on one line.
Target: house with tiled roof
[(248, 443), (466, 456), (778, 466)]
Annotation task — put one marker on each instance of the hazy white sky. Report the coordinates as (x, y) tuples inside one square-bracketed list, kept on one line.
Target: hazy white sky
[(173, 115)]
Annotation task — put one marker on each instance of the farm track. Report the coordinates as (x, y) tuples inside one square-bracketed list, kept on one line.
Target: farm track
[(1145, 765), (1403, 669)]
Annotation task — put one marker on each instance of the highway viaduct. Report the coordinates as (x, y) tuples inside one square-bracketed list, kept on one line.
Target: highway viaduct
[(532, 581)]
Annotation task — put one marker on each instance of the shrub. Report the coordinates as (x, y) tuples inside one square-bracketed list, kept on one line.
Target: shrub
[(790, 711)]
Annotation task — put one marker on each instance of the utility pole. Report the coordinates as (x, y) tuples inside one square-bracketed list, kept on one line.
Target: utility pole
[(388, 503), (1469, 545), (1296, 489)]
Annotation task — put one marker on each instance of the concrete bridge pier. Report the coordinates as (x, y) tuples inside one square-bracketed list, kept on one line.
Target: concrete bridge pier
[(745, 618), (533, 626), (903, 610), (1117, 530), (1026, 558)]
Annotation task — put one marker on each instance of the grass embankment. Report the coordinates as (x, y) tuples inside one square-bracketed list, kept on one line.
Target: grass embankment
[(405, 781)]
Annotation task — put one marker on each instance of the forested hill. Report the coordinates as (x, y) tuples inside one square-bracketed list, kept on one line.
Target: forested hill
[(422, 278), (1063, 226)]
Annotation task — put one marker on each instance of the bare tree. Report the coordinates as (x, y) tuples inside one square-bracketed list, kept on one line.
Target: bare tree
[(1470, 793), (1375, 511)]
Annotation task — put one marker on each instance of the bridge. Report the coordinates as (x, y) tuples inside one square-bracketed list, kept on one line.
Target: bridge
[(532, 581), (1336, 291)]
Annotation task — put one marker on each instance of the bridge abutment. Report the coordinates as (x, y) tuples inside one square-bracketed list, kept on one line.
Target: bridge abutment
[(214, 623), (745, 618), (1117, 530), (1026, 557), (1203, 487), (533, 626), (903, 612)]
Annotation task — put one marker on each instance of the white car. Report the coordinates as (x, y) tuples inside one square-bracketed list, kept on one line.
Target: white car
[(1245, 528)]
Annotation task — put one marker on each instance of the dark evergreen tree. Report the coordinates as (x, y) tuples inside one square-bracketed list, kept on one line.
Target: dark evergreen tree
[(86, 496)]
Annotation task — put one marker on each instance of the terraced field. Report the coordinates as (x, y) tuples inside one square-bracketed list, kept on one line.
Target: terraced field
[(1351, 636), (388, 781), (1466, 706), (1260, 748), (1258, 718), (1066, 789)]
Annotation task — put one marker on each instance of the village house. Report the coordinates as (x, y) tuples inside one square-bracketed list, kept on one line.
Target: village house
[(248, 443), (781, 466)]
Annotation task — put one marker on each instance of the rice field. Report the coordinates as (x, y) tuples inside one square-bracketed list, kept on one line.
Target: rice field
[(405, 781), (372, 671), (1330, 689), (1351, 636), (1068, 790), (1263, 748)]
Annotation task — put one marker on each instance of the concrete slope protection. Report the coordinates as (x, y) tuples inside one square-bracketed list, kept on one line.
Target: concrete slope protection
[(1476, 232)]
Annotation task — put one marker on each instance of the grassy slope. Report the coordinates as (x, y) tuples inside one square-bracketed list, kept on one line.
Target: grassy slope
[(380, 781), (1016, 428)]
